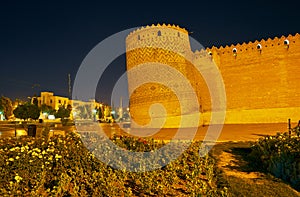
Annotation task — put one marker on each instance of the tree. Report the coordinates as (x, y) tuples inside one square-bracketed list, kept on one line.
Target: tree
[(21, 112), (47, 109), (100, 113), (63, 113), (33, 111), (35, 101), (27, 111), (107, 111), (6, 106)]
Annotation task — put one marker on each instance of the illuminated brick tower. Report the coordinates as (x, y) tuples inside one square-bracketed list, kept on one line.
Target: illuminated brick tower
[(164, 44)]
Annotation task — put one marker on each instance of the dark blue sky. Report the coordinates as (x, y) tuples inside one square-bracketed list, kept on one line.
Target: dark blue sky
[(41, 42)]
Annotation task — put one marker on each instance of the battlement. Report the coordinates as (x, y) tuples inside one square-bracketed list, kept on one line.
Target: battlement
[(147, 28), (168, 37), (257, 45)]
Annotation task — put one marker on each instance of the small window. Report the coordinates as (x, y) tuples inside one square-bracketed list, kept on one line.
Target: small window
[(159, 33), (139, 37), (286, 42), (259, 46), (51, 101), (178, 34), (59, 101)]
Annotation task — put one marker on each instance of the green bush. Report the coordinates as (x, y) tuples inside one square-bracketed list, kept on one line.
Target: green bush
[(280, 155), (62, 166)]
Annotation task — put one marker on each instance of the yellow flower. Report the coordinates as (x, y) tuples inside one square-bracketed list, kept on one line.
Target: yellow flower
[(58, 156), (17, 157), (37, 150), (18, 178), (11, 159)]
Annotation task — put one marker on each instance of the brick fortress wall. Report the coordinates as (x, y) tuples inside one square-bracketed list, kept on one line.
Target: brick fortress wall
[(261, 84), (261, 79)]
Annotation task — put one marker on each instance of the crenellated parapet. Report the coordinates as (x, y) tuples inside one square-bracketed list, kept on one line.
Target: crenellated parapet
[(168, 37), (283, 42)]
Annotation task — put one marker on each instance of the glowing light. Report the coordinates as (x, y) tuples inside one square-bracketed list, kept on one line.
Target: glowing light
[(51, 117)]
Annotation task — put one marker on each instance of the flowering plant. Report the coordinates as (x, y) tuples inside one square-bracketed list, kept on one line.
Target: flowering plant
[(63, 166)]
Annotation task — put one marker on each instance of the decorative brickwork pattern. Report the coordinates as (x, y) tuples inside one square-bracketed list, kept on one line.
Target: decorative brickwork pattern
[(261, 78)]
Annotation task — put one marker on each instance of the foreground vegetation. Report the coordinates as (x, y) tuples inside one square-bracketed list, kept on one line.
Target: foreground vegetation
[(280, 155), (62, 166)]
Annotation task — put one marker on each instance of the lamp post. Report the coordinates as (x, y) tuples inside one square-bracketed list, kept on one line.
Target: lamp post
[(94, 114)]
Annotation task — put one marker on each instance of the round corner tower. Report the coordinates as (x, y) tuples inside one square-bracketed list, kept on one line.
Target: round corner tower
[(162, 44)]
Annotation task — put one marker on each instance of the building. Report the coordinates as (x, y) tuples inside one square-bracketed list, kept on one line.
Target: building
[(80, 109), (260, 78), (48, 98)]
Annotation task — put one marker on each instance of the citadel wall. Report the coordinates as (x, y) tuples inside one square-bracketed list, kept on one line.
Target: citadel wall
[(262, 85), (261, 78)]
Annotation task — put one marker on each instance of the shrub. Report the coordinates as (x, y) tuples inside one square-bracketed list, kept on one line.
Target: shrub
[(63, 166), (280, 155)]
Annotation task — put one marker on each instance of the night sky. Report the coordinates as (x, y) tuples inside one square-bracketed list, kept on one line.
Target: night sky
[(41, 43)]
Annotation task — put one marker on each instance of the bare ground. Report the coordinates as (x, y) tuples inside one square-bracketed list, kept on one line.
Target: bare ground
[(243, 177)]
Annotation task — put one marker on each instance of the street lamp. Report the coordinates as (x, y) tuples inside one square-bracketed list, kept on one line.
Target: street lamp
[(94, 113)]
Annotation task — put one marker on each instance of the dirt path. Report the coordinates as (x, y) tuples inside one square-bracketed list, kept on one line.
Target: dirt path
[(243, 178)]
